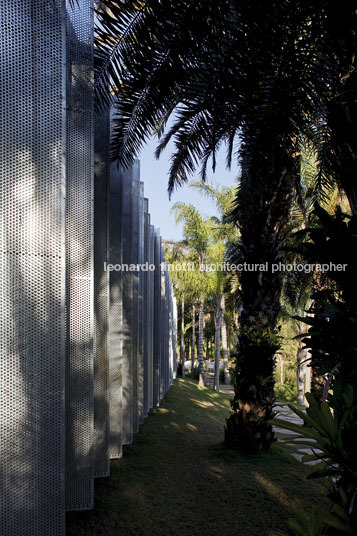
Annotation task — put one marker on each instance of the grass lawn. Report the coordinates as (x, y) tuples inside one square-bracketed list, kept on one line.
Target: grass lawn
[(178, 479)]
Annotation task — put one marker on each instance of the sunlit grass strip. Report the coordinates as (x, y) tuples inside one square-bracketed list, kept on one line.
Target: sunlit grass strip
[(178, 479)]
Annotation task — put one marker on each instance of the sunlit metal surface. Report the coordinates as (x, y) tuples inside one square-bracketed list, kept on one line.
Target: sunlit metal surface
[(31, 269), (85, 353)]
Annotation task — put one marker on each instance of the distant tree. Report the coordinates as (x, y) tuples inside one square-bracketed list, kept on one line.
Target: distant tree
[(263, 87), (223, 197), (197, 232)]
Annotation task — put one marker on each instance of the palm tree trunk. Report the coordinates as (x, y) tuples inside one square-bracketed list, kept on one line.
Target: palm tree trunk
[(217, 341), (224, 344), (193, 344), (182, 349), (187, 357), (263, 212), (201, 380)]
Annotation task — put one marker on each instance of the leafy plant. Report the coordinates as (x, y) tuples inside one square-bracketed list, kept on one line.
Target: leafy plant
[(328, 432)]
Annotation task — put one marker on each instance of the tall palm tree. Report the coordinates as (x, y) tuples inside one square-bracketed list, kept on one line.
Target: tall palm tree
[(178, 253), (267, 88), (197, 232), (223, 197)]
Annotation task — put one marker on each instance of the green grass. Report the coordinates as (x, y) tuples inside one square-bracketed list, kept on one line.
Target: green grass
[(177, 478)]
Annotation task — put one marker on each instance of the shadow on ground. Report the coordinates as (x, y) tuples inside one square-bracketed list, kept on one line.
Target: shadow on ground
[(178, 479)]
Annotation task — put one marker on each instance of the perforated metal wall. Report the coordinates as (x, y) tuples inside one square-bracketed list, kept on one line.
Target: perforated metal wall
[(157, 318), (146, 311), (151, 313), (31, 268), (116, 334), (127, 297), (101, 295), (57, 430), (141, 276), (162, 327), (79, 256), (135, 209), (174, 336)]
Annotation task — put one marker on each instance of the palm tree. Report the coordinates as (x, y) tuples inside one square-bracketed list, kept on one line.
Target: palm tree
[(223, 197), (197, 232), (267, 88), (216, 256)]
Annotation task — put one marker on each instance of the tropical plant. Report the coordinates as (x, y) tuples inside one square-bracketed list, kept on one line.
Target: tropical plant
[(331, 421), (197, 232), (331, 433), (223, 197), (177, 255), (265, 87)]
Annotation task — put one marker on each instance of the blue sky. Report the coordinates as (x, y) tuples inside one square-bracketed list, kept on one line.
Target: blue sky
[(154, 174)]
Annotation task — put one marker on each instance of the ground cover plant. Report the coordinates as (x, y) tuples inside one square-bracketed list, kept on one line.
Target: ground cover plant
[(177, 478)]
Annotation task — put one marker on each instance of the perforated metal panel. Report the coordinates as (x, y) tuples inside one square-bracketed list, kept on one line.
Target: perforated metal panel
[(174, 336), (31, 268), (151, 315), (167, 331), (101, 295), (157, 312), (135, 209), (162, 328), (79, 247), (141, 276), (115, 335), (146, 320), (171, 333), (127, 297)]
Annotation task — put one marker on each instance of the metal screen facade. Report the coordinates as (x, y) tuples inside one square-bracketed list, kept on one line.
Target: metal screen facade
[(135, 244), (141, 275), (101, 296), (85, 351), (115, 325), (79, 257), (32, 268)]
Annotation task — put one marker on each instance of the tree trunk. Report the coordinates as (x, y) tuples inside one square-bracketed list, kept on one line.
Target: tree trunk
[(217, 341), (225, 344), (193, 344), (301, 373), (182, 349), (201, 380), (281, 360), (263, 211)]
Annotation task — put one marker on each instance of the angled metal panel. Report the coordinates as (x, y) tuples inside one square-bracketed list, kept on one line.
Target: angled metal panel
[(135, 208), (127, 297), (32, 271), (162, 328), (79, 248), (115, 320), (101, 296), (141, 276), (171, 333), (157, 318), (167, 329), (151, 314), (146, 320), (174, 341)]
